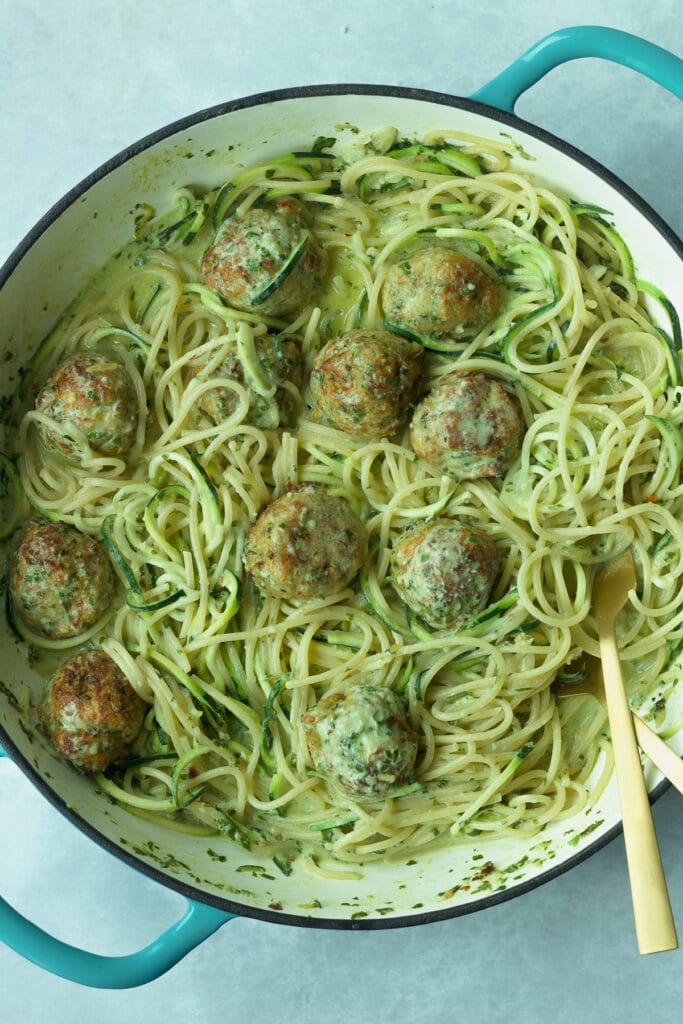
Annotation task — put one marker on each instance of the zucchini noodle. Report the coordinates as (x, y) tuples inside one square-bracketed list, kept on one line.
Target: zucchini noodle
[(227, 672)]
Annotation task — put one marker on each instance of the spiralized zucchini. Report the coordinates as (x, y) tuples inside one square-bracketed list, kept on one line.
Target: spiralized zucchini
[(229, 673)]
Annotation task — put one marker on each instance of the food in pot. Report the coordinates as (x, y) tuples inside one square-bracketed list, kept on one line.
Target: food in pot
[(307, 543), (60, 579), (445, 572), (362, 740), (468, 426), (265, 260), (269, 368), (571, 360), (365, 382), (437, 293), (91, 712), (89, 394)]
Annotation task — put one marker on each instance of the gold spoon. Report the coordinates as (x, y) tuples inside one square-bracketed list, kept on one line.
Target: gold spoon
[(655, 929), (591, 684)]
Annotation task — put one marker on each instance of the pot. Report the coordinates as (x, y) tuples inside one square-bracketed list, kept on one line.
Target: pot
[(75, 238)]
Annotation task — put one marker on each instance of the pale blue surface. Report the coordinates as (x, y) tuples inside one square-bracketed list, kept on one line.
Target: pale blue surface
[(77, 87)]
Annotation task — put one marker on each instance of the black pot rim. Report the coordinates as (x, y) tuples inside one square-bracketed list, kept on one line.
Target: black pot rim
[(190, 892)]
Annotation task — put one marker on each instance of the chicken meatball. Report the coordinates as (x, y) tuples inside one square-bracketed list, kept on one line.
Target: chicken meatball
[(280, 361), (365, 382), (362, 740), (91, 712), (61, 580), (305, 544), (468, 426), (444, 572), (437, 293), (94, 394), (266, 260)]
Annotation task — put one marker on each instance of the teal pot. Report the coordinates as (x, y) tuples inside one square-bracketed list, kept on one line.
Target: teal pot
[(76, 237)]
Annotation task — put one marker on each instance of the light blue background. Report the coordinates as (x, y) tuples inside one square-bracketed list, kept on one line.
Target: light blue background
[(78, 82)]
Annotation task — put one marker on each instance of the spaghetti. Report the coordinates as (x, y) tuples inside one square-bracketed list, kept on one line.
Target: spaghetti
[(229, 673)]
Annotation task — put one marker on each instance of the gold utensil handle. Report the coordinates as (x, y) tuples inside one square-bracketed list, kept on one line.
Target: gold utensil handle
[(655, 929), (660, 753)]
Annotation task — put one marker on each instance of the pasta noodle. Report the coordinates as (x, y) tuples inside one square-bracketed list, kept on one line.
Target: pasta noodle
[(227, 672)]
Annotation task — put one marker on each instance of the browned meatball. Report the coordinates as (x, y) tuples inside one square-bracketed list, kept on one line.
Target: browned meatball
[(437, 293), (365, 382), (444, 572), (266, 260), (305, 544), (280, 360), (91, 712), (362, 740), (60, 580), (468, 426), (95, 394)]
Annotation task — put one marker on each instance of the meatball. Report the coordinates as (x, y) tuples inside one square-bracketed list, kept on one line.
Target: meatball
[(305, 544), (95, 394), (436, 293), (362, 740), (91, 712), (61, 580), (444, 572), (266, 260), (365, 382), (280, 360), (468, 426)]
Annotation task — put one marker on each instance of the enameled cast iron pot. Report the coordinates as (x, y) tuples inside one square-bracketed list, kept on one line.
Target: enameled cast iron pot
[(75, 238)]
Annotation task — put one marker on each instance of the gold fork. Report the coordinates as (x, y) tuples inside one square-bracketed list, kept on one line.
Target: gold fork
[(655, 929), (658, 750)]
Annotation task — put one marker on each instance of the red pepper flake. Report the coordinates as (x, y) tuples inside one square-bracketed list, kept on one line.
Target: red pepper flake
[(486, 870)]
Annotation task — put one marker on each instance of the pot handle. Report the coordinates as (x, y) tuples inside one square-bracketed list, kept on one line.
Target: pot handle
[(117, 972), (651, 60)]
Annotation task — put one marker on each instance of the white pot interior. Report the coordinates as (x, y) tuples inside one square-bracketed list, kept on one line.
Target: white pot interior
[(90, 227)]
